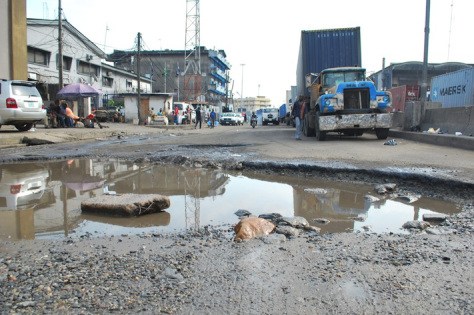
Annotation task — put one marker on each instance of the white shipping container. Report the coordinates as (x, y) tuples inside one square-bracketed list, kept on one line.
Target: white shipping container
[(454, 89)]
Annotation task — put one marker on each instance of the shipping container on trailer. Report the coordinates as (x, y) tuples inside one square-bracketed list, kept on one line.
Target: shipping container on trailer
[(454, 89), (323, 49), (282, 111), (402, 94)]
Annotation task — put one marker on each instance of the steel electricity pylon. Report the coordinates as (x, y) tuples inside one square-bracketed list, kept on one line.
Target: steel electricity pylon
[(192, 52)]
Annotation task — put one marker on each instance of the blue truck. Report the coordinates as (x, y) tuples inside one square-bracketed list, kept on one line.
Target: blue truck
[(282, 113), (342, 100)]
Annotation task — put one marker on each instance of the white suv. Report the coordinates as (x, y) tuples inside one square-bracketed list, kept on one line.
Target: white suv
[(21, 104), (234, 119)]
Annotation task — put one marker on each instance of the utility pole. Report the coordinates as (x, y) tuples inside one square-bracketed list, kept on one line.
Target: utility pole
[(178, 74), (424, 75), (105, 39), (60, 45), (140, 118), (242, 87), (227, 90), (165, 74)]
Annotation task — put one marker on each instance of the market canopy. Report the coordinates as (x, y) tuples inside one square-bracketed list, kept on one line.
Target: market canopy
[(77, 90)]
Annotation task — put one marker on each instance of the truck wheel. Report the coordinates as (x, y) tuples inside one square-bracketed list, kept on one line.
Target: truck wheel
[(320, 135), (311, 131), (381, 133), (307, 130)]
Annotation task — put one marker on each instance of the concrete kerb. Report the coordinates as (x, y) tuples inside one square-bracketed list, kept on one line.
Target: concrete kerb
[(447, 140)]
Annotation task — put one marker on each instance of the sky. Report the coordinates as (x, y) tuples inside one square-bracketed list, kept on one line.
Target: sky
[(264, 35)]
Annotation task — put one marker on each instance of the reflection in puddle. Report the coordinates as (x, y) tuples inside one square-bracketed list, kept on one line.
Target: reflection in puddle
[(43, 200)]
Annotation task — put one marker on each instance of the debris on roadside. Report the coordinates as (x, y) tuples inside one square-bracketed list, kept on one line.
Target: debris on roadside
[(126, 204), (321, 220), (434, 131), (434, 217), (241, 213), (252, 227), (371, 198), (410, 198), (382, 189), (416, 225), (391, 142)]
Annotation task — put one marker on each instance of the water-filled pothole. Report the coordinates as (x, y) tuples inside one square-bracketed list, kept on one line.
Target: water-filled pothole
[(43, 200)]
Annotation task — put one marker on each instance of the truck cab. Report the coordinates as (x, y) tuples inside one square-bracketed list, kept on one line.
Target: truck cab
[(270, 115), (343, 101)]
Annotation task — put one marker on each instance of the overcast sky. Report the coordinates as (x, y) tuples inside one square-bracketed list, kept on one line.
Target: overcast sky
[(265, 35)]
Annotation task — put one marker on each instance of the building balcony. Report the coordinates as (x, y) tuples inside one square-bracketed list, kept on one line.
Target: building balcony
[(219, 75), (219, 59), (216, 89)]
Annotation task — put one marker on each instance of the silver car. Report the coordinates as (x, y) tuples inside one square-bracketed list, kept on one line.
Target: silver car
[(21, 104)]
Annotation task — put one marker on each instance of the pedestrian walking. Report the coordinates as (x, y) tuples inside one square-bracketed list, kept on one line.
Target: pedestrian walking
[(198, 118), (297, 113), (176, 115), (213, 118)]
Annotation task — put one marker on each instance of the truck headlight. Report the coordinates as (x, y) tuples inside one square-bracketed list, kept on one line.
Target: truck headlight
[(383, 98), (331, 105)]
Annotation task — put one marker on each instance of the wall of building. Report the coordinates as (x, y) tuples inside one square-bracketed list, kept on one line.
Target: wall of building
[(5, 31), (13, 60), (153, 104), (18, 41), (122, 82), (45, 38), (42, 36)]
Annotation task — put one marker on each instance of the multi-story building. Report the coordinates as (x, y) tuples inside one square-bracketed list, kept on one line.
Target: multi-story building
[(168, 71), (251, 104), (82, 62)]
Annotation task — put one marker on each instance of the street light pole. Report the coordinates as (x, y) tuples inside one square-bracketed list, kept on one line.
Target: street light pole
[(242, 88)]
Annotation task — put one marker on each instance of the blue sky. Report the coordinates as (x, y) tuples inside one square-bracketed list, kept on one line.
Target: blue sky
[(264, 35)]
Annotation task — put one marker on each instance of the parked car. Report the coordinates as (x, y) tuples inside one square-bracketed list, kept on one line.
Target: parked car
[(231, 119), (21, 187), (21, 104)]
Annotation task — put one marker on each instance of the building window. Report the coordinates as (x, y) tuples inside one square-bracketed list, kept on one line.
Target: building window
[(107, 81), (87, 68), (38, 56), (67, 62)]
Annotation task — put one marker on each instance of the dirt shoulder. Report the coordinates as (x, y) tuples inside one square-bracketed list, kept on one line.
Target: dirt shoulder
[(206, 272)]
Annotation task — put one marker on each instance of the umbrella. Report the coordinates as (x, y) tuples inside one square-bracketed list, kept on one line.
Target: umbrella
[(74, 179), (84, 186), (77, 90)]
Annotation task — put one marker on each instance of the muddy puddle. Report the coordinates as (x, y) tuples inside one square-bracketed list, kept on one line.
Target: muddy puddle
[(43, 200)]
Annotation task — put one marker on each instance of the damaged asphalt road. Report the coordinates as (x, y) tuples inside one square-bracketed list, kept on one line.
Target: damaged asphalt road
[(204, 272)]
